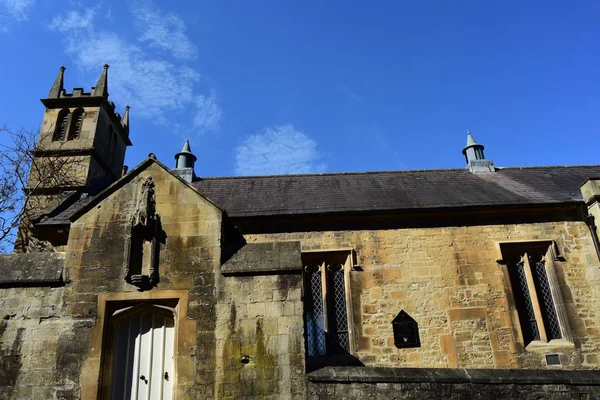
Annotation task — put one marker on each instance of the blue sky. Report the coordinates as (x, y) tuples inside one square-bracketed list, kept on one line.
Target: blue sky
[(321, 86)]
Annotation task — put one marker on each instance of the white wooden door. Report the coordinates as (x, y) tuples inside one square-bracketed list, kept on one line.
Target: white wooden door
[(143, 354)]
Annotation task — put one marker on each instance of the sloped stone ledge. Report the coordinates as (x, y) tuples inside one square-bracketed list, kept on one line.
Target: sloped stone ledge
[(456, 376), (32, 269), (264, 258)]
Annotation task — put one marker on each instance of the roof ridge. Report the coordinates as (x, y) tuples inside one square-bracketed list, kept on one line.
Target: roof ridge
[(384, 172)]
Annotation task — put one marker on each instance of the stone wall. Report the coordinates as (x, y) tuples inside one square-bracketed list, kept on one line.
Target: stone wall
[(40, 344), (260, 341), (415, 383), (448, 279), (239, 307)]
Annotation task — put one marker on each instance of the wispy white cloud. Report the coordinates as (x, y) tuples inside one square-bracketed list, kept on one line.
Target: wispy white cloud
[(154, 86), (350, 94), (17, 9), (73, 20), (278, 150), (208, 113), (165, 31)]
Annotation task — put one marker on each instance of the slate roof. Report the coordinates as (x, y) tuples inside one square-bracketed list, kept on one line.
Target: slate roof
[(257, 196), (397, 190), (61, 214)]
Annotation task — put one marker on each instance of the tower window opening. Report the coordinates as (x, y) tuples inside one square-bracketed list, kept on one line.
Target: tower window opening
[(62, 124), (76, 123)]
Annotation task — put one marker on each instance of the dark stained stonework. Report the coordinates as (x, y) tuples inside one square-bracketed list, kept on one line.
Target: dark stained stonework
[(463, 391), (263, 258), (455, 376), (429, 383), (32, 269), (10, 363)]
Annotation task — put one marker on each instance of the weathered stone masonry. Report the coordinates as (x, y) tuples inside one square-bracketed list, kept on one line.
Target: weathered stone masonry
[(285, 287)]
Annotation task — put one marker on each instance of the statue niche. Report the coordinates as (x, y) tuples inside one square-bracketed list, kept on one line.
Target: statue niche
[(145, 237)]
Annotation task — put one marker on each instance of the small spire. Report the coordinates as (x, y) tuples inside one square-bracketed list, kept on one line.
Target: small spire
[(473, 153), (184, 164), (125, 120), (57, 86), (186, 146), (470, 140), (101, 88), (185, 158)]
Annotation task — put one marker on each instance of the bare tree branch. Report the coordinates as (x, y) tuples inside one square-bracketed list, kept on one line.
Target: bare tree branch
[(32, 178)]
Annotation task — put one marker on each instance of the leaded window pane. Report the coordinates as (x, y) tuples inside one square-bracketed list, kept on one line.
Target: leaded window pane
[(326, 316), (542, 286), (314, 314), (338, 322), (524, 303)]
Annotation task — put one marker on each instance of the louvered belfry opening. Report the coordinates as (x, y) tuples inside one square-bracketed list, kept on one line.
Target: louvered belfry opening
[(76, 124), (62, 125)]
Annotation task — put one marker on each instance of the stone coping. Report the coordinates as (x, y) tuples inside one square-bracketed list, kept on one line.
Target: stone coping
[(32, 269), (265, 258), (448, 375)]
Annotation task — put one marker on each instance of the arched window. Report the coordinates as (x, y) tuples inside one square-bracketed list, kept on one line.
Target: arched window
[(76, 123), (141, 352), (62, 124)]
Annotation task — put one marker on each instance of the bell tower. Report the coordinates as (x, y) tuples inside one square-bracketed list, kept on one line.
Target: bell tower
[(80, 149), (81, 130)]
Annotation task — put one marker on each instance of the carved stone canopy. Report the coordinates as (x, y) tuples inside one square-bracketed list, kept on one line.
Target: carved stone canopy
[(145, 236), (145, 209)]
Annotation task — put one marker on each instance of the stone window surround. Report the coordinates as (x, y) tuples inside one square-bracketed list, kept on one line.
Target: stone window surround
[(60, 121), (93, 368), (351, 264), (567, 336)]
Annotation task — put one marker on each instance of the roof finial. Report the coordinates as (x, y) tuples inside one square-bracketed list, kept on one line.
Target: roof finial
[(57, 86), (101, 88)]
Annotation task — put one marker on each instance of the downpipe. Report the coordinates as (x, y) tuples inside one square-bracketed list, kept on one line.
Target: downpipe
[(589, 221)]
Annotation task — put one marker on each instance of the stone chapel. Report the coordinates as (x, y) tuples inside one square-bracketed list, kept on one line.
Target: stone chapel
[(163, 283)]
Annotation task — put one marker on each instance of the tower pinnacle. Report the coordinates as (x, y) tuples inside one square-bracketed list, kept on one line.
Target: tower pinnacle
[(57, 86), (101, 88), (125, 120)]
